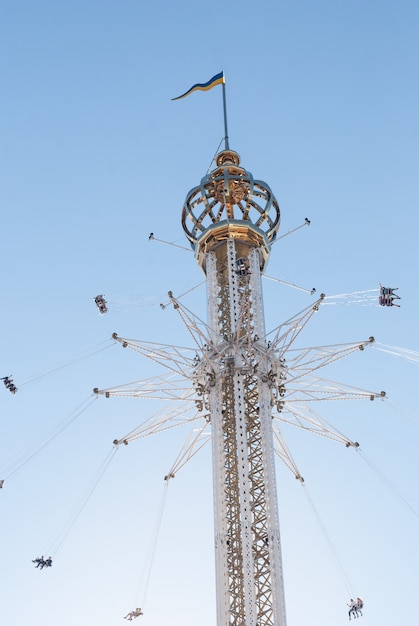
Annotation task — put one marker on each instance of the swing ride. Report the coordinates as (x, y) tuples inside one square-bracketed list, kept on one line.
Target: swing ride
[(133, 614), (101, 304), (355, 608), (240, 380), (239, 377), (9, 384), (387, 296), (41, 562), (236, 386)]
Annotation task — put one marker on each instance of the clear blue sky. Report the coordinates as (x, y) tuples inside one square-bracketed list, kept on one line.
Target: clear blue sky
[(323, 105)]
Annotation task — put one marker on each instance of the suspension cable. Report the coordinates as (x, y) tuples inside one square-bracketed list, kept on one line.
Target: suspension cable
[(84, 355), (62, 535), (342, 574), (388, 483), (142, 589), (34, 449)]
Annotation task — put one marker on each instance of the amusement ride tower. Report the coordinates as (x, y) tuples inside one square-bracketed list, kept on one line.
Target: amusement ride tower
[(240, 384), (231, 220)]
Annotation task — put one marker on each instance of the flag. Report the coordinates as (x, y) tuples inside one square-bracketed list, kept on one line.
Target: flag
[(218, 79)]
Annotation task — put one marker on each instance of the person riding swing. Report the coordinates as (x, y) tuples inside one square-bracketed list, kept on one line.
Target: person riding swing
[(133, 614)]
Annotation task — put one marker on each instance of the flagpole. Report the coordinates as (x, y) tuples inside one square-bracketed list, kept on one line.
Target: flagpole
[(226, 144)]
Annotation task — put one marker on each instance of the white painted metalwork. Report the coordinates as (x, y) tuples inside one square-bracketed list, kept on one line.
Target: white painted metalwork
[(242, 383), (247, 541)]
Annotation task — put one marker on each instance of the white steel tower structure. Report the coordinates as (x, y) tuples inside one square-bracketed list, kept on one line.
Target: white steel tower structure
[(230, 220), (241, 385)]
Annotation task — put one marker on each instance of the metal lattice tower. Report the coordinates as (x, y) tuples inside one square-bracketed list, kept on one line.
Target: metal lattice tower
[(240, 386), (230, 221)]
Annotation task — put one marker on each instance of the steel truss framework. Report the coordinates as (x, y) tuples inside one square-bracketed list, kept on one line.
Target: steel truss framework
[(236, 385)]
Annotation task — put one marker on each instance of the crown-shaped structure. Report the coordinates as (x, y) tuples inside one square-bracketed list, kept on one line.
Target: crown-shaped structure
[(230, 204)]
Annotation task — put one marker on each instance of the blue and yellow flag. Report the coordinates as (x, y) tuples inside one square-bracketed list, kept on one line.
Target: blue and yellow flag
[(218, 79)]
